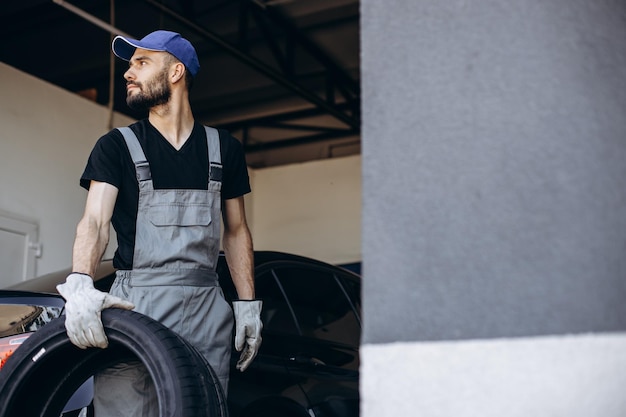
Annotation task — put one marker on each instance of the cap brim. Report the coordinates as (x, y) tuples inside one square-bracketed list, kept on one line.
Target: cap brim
[(125, 47)]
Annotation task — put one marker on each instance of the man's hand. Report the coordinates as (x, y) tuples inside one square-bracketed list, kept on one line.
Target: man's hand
[(248, 328), (83, 306)]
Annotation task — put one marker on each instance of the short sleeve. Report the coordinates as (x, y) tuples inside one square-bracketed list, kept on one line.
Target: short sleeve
[(236, 181), (106, 161)]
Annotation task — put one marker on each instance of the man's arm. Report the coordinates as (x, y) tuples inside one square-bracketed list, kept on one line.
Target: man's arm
[(237, 243), (83, 303), (238, 249), (92, 232)]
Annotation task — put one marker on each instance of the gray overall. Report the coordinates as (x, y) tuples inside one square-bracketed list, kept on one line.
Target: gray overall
[(173, 280)]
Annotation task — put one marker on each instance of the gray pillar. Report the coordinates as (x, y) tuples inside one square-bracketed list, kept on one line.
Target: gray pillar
[(494, 219)]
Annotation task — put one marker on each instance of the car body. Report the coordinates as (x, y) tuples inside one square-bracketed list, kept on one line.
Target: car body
[(309, 360), (22, 313)]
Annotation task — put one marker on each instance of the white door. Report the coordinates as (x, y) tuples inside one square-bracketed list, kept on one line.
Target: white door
[(19, 248)]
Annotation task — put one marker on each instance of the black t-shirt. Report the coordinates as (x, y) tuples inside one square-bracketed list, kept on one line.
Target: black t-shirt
[(186, 168)]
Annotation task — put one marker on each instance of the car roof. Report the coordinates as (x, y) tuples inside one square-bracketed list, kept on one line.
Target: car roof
[(47, 283)]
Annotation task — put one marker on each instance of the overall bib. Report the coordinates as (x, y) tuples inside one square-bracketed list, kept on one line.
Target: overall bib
[(173, 280)]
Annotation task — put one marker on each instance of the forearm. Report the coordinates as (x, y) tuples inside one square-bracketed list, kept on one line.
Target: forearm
[(237, 243), (239, 256), (92, 232), (89, 246)]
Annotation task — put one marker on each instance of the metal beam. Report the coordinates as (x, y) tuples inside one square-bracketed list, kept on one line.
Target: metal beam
[(259, 66), (279, 118), (92, 19), (275, 121), (287, 143), (294, 33)]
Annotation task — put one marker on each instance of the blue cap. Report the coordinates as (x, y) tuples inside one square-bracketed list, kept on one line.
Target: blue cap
[(163, 41)]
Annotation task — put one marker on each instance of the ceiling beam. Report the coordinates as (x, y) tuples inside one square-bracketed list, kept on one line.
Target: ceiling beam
[(287, 143), (351, 120)]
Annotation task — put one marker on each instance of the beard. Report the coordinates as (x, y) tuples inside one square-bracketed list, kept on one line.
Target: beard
[(152, 93)]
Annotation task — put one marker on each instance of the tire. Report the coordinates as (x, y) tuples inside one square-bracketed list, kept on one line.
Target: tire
[(216, 386), (39, 378)]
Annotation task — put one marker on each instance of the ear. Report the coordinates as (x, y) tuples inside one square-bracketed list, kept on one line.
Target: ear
[(177, 72)]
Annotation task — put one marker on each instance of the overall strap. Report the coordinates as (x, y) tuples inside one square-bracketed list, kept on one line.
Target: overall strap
[(215, 155), (142, 168)]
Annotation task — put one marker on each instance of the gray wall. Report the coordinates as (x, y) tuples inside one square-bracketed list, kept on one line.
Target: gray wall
[(494, 171), (495, 167)]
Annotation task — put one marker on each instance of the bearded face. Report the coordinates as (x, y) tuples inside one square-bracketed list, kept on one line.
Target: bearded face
[(151, 93)]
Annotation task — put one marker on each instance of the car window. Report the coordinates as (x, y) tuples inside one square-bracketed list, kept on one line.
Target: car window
[(320, 305), (353, 289), (18, 321), (275, 314), (23, 318)]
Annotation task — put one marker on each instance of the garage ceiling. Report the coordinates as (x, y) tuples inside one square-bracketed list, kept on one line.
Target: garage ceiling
[(281, 75)]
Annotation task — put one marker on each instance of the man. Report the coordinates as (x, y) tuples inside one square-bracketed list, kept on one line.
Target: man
[(164, 182)]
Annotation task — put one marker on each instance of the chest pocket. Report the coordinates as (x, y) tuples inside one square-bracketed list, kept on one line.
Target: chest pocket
[(178, 215)]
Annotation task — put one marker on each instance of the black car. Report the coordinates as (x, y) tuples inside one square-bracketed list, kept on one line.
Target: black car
[(308, 362)]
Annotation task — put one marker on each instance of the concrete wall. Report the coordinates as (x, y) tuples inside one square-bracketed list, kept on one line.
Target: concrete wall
[(47, 134), (311, 209), (494, 218)]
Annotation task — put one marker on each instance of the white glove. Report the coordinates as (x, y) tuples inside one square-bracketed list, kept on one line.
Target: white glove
[(248, 328), (83, 306)]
